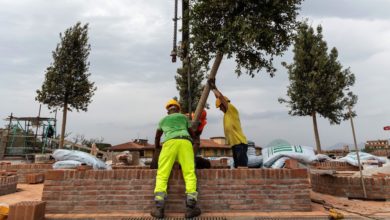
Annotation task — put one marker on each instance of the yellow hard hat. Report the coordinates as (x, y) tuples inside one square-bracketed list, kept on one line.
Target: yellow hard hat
[(218, 101), (172, 102)]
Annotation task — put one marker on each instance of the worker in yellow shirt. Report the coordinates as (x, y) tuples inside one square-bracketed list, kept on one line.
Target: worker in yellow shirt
[(177, 146), (232, 127)]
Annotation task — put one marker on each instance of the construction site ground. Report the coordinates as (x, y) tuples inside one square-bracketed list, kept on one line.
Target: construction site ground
[(351, 209)]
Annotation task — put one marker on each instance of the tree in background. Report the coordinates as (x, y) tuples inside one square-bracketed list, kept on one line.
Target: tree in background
[(251, 31), (66, 83), (196, 87), (318, 82), (189, 77)]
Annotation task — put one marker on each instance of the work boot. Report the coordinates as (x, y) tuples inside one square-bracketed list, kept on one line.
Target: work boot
[(158, 210), (191, 209)]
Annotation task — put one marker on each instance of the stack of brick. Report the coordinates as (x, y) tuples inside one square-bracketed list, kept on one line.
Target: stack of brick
[(35, 178), (220, 190), (334, 165), (8, 182), (27, 210), (22, 170), (221, 163), (380, 152)]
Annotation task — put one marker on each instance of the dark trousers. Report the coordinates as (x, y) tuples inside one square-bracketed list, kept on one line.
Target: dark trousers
[(239, 155)]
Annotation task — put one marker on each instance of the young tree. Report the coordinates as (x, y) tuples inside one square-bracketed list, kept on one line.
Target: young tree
[(251, 31), (318, 82), (66, 83)]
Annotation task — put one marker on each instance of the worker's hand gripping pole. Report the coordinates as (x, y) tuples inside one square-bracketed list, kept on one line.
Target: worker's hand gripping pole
[(206, 91)]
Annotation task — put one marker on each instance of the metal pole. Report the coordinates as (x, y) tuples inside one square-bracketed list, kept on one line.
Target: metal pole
[(357, 153), (9, 126), (7, 138), (189, 87), (55, 124), (185, 49), (174, 49), (36, 130)]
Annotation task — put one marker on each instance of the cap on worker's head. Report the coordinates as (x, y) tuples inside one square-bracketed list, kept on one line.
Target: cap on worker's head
[(218, 102), (172, 102)]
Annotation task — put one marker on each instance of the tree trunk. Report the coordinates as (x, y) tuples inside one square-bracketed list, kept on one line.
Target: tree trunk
[(316, 135), (206, 90), (65, 110)]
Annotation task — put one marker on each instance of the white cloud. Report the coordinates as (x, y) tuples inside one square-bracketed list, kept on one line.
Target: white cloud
[(130, 64)]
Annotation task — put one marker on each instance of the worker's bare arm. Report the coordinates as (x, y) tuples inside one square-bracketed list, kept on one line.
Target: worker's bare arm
[(156, 154), (217, 93), (158, 138), (192, 133)]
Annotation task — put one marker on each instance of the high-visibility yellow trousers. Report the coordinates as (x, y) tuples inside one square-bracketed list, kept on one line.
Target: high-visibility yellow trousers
[(179, 150)]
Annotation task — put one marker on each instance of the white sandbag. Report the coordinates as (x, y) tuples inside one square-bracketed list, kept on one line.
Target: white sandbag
[(255, 161), (272, 153), (373, 171), (251, 149), (80, 156), (351, 158), (279, 163), (66, 164), (322, 157)]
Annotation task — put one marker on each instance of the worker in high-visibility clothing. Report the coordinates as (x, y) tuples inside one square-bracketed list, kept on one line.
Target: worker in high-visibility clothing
[(177, 146), (232, 127)]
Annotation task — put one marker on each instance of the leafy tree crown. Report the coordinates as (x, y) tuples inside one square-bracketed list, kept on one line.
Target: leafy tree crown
[(318, 82), (253, 31), (66, 79)]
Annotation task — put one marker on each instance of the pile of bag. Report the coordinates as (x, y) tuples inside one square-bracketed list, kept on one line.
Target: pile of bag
[(351, 158), (70, 159), (127, 158), (278, 151), (254, 161)]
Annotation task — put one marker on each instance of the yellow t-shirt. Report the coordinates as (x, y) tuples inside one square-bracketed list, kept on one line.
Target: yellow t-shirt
[(232, 127)]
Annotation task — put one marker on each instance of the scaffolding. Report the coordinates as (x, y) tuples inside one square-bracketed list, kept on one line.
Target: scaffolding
[(27, 135)]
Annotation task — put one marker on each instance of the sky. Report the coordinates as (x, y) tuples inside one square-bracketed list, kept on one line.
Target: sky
[(131, 67)]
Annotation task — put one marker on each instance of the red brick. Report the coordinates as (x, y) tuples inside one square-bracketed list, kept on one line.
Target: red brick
[(55, 175), (35, 178), (34, 210), (299, 173), (291, 164)]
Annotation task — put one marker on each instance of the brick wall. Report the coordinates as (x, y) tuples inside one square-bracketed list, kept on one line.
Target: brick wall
[(380, 152), (8, 184), (347, 186), (334, 165), (23, 169), (220, 190)]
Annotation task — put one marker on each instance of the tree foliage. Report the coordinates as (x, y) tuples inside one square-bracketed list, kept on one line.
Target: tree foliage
[(318, 82), (253, 31), (66, 83), (66, 79)]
